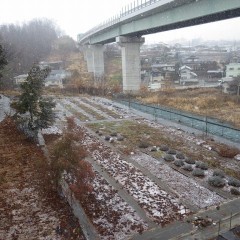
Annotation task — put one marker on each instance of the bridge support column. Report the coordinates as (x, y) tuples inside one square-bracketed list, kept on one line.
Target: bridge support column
[(95, 59), (130, 47)]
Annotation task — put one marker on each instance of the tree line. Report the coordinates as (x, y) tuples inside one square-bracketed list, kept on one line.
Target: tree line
[(26, 44)]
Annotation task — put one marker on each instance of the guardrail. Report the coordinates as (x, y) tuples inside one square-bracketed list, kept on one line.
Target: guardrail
[(206, 124), (125, 11)]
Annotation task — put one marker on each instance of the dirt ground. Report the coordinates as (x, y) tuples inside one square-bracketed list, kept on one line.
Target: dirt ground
[(29, 207)]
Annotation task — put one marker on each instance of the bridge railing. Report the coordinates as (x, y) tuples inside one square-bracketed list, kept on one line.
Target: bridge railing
[(136, 5), (125, 11)]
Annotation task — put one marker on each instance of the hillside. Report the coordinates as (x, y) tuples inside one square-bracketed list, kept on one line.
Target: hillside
[(29, 207)]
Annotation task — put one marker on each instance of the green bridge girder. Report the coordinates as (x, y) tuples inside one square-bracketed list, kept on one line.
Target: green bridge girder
[(174, 15)]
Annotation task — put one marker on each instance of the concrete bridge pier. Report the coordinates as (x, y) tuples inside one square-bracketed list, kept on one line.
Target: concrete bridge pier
[(130, 47), (93, 54), (83, 48)]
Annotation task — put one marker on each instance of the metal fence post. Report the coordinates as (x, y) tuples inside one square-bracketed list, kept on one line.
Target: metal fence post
[(219, 227), (230, 221), (206, 130), (155, 114)]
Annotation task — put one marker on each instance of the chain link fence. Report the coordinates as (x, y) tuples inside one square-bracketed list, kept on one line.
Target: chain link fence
[(205, 124), (228, 223)]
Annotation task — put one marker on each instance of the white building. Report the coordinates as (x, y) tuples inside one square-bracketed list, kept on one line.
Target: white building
[(233, 70), (56, 77), (154, 86), (20, 79), (187, 76)]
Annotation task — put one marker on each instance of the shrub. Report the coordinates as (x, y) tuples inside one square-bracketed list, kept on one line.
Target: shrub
[(201, 165), (219, 173), (172, 151), (120, 138), (68, 156), (190, 161), (234, 191), (113, 134), (198, 163), (178, 162), (180, 156), (153, 149), (107, 138), (226, 151), (168, 158), (188, 167), (233, 182), (164, 148), (143, 145), (216, 181), (198, 172), (204, 166)]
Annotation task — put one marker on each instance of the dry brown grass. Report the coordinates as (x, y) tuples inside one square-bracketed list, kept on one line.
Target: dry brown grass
[(210, 102), (226, 151)]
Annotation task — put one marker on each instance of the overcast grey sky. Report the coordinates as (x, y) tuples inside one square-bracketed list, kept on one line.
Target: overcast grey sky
[(78, 16)]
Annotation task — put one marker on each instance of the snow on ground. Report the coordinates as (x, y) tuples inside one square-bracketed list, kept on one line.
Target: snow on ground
[(52, 130), (84, 102), (125, 113), (187, 189), (113, 217), (27, 198), (158, 204), (4, 107)]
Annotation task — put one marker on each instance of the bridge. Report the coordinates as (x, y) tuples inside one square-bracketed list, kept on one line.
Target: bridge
[(144, 17)]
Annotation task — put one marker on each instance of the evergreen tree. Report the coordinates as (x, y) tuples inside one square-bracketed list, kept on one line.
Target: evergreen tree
[(3, 61), (32, 108)]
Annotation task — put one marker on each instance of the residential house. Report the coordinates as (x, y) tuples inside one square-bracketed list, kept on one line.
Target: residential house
[(159, 71), (57, 65), (20, 79), (233, 70), (193, 62), (56, 78), (187, 76), (225, 84), (214, 74)]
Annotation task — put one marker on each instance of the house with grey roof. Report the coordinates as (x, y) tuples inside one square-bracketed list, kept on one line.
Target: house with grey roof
[(56, 77)]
